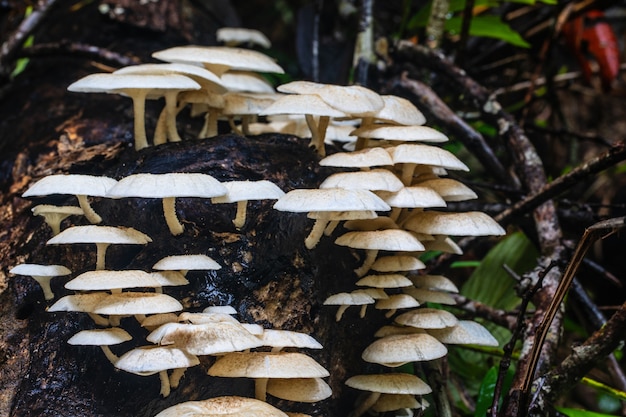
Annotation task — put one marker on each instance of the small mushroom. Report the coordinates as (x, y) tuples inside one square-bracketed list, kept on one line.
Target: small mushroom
[(102, 236), (265, 365), (229, 406), (79, 185), (345, 300), (396, 350), (186, 263), (42, 274), (150, 360), (241, 192), (54, 215), (237, 36), (168, 187), (103, 338)]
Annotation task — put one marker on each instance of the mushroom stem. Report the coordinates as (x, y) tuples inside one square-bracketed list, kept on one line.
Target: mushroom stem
[(140, 318), (101, 251), (139, 110), (165, 383), (44, 283), (160, 137), (332, 225), (246, 119), (318, 132), (210, 124), (361, 143), (370, 258), (260, 388), (240, 217), (235, 129), (99, 320), (90, 214), (342, 309), (408, 169), (390, 313), (395, 213), (170, 116), (176, 376), (169, 209), (110, 355), (316, 233), (365, 405)]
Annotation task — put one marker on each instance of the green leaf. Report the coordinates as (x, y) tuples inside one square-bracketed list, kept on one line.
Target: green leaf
[(465, 264), (490, 283), (22, 63), (574, 412), (490, 27), (485, 393)]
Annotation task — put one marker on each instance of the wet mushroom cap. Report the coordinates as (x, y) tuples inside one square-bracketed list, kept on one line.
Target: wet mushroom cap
[(229, 406), (306, 390), (473, 223), (267, 365), (427, 318), (220, 58), (465, 332), (389, 383), (110, 280), (397, 350), (75, 184)]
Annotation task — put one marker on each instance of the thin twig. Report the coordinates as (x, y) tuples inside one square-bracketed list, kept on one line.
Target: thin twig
[(79, 49), (10, 47), (563, 183)]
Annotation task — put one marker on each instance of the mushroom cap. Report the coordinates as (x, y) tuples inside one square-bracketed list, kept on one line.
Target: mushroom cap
[(220, 309), (300, 87), (100, 234), (156, 320), (110, 280), (375, 293), (449, 189), (100, 337), (385, 281), (241, 104), (397, 301), (444, 244), (355, 298), (267, 365), (40, 270), (393, 329), (125, 83), (148, 360), (238, 36), (397, 350), (424, 295), (425, 155), (427, 318), (75, 184), (176, 184), (395, 263), (329, 199), (137, 303), (392, 402), (402, 133), (412, 197), (43, 209), (229, 406), (343, 215), (286, 338), (367, 157), (206, 317), (205, 339), (389, 383), (353, 100), (85, 303), (434, 282), (227, 57), (398, 110), (249, 190), (376, 179), (246, 81), (204, 77), (465, 332), (186, 263), (304, 390), (472, 223), (388, 240), (301, 104)]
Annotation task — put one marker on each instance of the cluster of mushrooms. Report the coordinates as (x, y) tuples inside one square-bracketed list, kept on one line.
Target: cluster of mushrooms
[(389, 168)]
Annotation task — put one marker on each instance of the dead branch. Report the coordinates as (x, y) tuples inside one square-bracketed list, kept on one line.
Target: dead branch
[(81, 50)]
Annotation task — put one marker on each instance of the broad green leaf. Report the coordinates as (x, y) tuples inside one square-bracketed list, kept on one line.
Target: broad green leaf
[(490, 27), (573, 412), (490, 283), (485, 393)]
